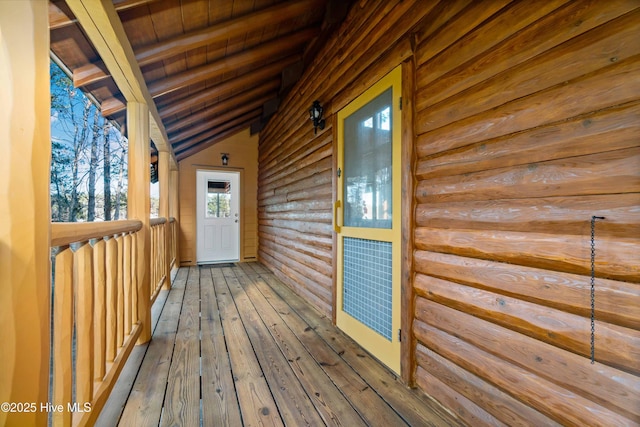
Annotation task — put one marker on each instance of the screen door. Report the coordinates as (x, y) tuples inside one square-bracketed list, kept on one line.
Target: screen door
[(367, 220)]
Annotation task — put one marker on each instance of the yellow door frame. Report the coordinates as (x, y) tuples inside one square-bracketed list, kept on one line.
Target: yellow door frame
[(387, 352)]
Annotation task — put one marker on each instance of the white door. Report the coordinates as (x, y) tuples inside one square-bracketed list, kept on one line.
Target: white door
[(218, 216)]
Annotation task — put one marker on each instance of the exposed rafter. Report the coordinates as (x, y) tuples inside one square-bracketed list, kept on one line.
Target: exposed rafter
[(255, 56), (114, 105), (59, 19), (220, 126), (102, 25), (95, 72), (214, 121), (202, 70), (240, 126), (265, 91), (224, 30), (222, 91)]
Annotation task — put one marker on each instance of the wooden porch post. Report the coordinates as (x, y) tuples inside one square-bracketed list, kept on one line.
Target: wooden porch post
[(139, 206), (163, 178), (25, 145), (174, 207)]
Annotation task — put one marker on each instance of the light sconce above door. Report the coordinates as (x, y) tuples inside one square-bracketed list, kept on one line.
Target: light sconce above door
[(225, 159), (315, 114)]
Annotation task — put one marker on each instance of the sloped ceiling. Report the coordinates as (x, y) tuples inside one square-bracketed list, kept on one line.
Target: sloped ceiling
[(212, 67)]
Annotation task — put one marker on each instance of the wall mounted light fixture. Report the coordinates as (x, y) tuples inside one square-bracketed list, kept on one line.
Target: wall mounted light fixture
[(225, 159), (315, 114)]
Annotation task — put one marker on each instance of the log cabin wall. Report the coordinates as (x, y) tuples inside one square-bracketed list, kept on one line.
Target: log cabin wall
[(526, 123), (243, 154)]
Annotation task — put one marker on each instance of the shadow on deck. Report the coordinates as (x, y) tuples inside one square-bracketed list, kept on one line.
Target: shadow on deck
[(234, 346)]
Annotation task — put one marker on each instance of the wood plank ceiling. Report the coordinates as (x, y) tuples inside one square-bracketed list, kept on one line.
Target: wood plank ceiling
[(212, 67)]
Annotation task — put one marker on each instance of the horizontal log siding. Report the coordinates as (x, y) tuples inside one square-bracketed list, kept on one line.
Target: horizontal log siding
[(526, 121), (296, 173), (527, 124)]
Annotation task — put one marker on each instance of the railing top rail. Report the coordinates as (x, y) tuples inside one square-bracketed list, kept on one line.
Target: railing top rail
[(172, 219), (158, 221), (65, 233)]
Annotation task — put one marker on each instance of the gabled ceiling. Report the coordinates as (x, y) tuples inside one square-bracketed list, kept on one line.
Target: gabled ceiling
[(212, 67)]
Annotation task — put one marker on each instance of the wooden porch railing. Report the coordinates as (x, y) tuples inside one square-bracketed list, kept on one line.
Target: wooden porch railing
[(95, 320), (158, 255), (173, 242)]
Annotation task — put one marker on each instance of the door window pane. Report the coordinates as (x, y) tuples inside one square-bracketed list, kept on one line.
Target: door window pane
[(367, 164), (218, 199)]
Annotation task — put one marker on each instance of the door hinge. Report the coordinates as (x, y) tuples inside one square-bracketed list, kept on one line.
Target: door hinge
[(400, 335), (400, 103)]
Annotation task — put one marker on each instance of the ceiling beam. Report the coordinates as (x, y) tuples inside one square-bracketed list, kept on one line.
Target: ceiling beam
[(223, 31), (100, 21), (226, 30), (176, 138), (237, 126), (130, 4), (228, 104), (250, 57), (90, 73), (114, 105), (219, 91), (248, 116), (59, 19)]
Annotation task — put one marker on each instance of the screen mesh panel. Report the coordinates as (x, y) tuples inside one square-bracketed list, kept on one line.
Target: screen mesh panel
[(368, 283)]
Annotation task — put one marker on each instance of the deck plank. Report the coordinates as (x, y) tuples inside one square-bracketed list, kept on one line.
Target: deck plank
[(327, 398), (256, 403), (366, 401), (144, 405), (294, 405), (182, 397), (118, 399), (234, 346), (220, 402), (414, 408)]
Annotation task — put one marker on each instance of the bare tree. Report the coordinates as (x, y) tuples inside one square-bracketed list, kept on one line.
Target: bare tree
[(106, 155), (93, 166), (121, 176)]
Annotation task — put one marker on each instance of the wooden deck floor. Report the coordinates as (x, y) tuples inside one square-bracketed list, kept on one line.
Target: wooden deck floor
[(234, 346)]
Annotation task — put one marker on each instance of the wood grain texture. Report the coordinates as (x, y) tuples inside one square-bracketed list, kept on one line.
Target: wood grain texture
[(551, 32), (615, 259), (256, 402), (611, 86), (553, 215), (294, 404), (182, 394), (607, 130), (298, 356), (63, 308), (99, 309), (616, 301), (603, 173), (455, 402), (83, 320), (499, 407), (415, 409), (558, 403), (147, 395), (288, 330), (218, 391), (610, 387), (615, 346), (581, 55)]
